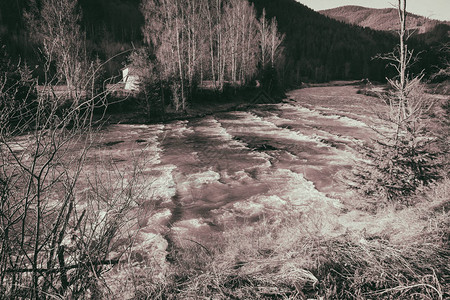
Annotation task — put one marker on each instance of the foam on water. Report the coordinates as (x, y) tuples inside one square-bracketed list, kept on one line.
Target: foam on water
[(286, 190), (317, 113), (156, 220), (191, 229), (163, 185), (179, 129), (199, 179), (193, 175), (214, 128), (318, 134), (255, 125)]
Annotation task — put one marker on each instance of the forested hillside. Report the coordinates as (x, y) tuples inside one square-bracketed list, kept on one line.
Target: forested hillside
[(427, 35), (317, 48), (322, 49)]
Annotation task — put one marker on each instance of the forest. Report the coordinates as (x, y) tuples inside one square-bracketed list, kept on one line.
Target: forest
[(317, 48)]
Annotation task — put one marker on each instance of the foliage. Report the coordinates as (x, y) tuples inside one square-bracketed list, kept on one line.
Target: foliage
[(444, 72), (150, 86), (95, 78), (17, 92), (55, 24)]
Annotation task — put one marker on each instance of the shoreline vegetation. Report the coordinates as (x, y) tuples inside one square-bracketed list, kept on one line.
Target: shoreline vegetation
[(204, 103)]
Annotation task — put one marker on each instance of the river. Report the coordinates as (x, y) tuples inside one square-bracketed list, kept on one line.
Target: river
[(197, 176)]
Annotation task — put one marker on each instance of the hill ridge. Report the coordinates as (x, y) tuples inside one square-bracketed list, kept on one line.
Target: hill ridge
[(384, 19)]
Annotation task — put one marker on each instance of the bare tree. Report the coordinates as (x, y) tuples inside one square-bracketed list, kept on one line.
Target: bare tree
[(195, 40), (270, 40), (249, 49), (55, 25), (407, 101), (163, 31), (224, 44), (207, 11), (270, 46), (264, 32), (275, 41), (240, 32)]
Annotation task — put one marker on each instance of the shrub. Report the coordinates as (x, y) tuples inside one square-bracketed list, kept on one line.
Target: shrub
[(405, 157), (150, 97), (54, 243), (17, 93)]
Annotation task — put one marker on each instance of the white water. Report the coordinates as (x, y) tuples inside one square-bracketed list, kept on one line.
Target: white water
[(205, 173)]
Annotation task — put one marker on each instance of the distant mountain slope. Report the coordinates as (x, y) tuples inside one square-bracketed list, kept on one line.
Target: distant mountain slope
[(379, 19)]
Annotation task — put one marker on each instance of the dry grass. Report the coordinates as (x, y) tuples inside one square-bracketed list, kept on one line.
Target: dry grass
[(293, 257)]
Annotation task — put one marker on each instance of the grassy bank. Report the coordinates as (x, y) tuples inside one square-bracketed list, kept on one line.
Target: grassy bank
[(389, 254)]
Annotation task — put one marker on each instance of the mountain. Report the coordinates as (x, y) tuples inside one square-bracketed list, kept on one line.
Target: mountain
[(379, 19)]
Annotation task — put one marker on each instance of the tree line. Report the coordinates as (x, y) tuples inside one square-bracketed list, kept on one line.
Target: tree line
[(221, 42), (186, 44)]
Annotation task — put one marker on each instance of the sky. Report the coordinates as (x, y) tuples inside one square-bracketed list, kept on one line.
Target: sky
[(434, 9)]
